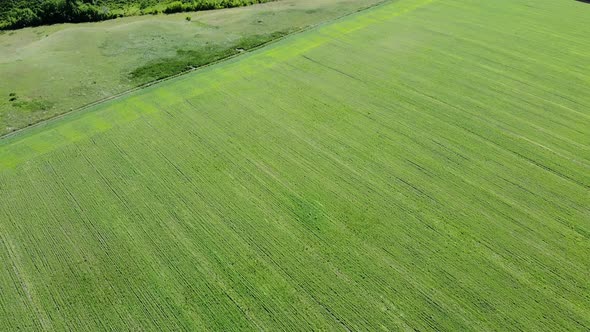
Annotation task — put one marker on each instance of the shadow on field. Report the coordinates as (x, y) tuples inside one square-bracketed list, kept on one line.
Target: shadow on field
[(584, 1)]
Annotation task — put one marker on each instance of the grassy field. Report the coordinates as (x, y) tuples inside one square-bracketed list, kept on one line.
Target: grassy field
[(423, 165), (46, 71)]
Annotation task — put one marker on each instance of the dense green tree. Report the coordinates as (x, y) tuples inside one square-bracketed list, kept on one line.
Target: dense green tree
[(16, 14)]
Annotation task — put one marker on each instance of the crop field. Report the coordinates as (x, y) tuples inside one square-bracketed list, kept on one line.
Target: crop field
[(421, 165)]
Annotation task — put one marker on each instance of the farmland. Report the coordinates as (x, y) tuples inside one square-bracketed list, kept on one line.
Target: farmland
[(421, 165), (46, 71)]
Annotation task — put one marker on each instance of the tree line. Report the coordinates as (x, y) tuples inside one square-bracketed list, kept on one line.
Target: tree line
[(15, 14)]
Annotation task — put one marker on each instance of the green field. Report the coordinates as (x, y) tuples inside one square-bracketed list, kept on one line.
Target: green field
[(422, 165), (49, 70)]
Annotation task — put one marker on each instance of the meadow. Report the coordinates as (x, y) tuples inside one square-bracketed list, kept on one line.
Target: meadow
[(421, 165), (49, 70)]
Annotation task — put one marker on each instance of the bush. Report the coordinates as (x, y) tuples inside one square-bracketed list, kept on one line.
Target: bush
[(23, 13), (174, 7), (20, 18)]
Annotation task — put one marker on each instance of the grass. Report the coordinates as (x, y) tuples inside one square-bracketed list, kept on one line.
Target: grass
[(419, 166), (189, 59), (67, 66)]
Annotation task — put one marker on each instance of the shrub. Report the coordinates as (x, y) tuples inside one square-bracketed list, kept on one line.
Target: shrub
[(20, 18), (174, 7), (22, 13)]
